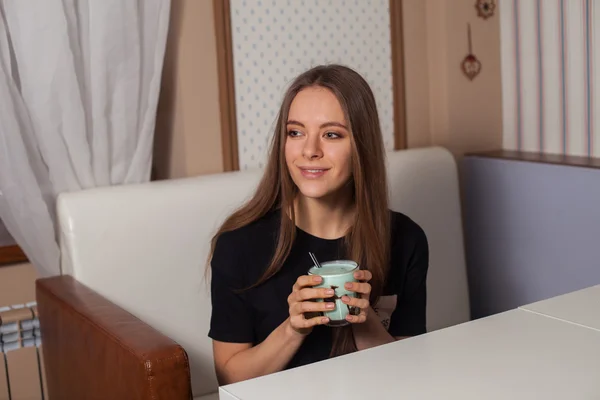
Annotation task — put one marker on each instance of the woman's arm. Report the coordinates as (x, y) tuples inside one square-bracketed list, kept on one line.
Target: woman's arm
[(232, 326), (236, 362), (409, 316), (367, 329), (371, 333)]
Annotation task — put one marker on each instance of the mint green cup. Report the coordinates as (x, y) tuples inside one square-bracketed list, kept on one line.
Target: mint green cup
[(335, 275)]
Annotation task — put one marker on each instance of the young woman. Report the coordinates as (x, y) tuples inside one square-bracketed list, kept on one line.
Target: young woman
[(324, 191)]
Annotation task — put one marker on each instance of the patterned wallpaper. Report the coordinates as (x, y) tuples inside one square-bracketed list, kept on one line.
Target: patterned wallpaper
[(550, 75), (276, 40)]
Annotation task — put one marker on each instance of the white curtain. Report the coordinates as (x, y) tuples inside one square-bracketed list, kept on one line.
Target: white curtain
[(79, 86)]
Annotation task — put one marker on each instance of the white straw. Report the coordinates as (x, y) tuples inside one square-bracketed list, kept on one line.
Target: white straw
[(314, 260)]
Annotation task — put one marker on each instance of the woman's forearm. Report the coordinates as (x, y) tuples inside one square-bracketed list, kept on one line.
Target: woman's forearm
[(371, 333), (272, 355)]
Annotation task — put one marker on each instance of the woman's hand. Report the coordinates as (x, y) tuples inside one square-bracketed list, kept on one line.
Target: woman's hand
[(363, 289), (302, 309)]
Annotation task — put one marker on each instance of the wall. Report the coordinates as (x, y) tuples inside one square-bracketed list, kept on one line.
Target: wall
[(188, 127), (445, 108), (17, 284), (550, 84), (5, 237), (416, 71), (531, 231), (276, 40)]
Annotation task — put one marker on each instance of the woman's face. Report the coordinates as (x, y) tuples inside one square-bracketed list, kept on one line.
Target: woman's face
[(318, 148)]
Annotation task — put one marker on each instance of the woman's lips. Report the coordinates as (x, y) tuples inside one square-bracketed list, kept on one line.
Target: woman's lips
[(313, 173)]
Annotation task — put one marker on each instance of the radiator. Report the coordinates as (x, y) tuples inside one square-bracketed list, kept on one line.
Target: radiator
[(21, 360)]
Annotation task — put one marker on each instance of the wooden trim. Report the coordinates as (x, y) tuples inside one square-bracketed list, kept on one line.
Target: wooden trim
[(222, 11), (557, 159), (399, 87), (11, 255)]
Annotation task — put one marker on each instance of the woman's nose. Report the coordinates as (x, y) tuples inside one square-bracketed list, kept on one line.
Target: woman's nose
[(312, 148)]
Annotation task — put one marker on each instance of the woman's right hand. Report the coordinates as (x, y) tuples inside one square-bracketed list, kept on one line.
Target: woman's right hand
[(302, 309)]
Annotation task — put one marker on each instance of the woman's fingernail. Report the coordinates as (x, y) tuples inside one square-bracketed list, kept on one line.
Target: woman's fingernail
[(348, 285), (325, 320), (316, 278), (345, 299), (330, 291), (330, 305)]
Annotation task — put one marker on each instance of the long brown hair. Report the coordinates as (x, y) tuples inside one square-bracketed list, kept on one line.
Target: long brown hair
[(367, 242)]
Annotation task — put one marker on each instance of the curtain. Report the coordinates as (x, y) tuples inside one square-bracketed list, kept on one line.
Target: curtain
[(550, 77), (79, 86)]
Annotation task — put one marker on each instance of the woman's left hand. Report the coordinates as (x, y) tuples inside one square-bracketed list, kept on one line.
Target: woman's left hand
[(363, 289)]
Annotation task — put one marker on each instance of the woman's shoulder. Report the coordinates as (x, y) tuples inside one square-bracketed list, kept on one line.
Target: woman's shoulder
[(257, 230), (265, 223), (405, 230), (250, 242)]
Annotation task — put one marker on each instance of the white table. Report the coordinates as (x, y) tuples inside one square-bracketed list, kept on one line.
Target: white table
[(513, 355), (581, 307)]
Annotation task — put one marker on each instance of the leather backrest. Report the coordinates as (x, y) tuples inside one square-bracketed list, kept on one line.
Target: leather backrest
[(424, 185), (144, 247)]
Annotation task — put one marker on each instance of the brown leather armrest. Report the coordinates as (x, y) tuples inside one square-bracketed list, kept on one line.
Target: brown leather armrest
[(95, 350)]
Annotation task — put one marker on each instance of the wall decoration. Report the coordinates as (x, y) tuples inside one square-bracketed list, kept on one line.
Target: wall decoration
[(485, 8), (273, 41), (470, 66), (550, 60)]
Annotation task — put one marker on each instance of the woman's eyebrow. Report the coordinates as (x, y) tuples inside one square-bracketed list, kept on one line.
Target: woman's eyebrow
[(324, 125)]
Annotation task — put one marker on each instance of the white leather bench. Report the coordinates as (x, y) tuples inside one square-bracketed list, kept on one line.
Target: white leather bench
[(143, 247)]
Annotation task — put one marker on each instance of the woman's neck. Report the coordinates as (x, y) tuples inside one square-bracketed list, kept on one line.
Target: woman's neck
[(327, 219)]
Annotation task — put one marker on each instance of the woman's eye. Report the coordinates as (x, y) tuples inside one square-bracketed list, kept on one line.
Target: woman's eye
[(293, 133), (332, 135)]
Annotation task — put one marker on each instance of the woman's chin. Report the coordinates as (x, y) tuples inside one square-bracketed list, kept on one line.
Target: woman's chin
[(314, 194), (312, 191), (318, 192), (321, 189)]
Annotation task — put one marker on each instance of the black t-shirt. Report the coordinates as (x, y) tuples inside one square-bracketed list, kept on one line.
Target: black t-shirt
[(249, 316)]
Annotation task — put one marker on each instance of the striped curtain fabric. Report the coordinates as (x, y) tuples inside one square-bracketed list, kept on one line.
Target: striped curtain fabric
[(550, 83)]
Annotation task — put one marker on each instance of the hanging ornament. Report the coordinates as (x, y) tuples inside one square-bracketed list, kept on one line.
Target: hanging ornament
[(485, 8), (471, 66)]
